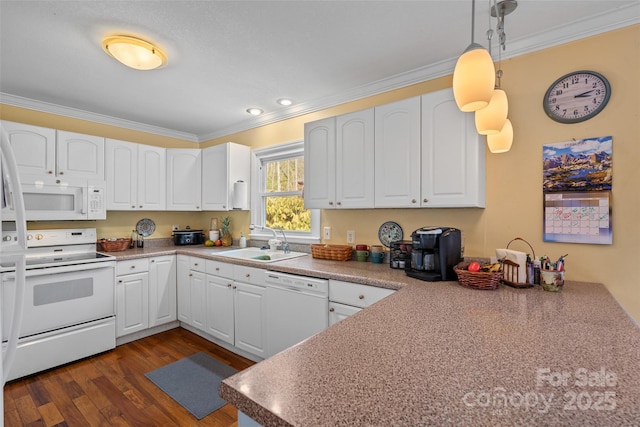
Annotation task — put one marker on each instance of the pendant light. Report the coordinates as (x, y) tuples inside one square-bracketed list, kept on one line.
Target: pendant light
[(501, 142), (134, 52), (490, 119), (474, 74)]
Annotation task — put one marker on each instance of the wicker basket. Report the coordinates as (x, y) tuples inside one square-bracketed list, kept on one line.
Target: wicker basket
[(477, 280), (114, 245), (332, 252)]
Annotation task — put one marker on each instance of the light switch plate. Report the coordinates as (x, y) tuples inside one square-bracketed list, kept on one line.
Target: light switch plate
[(327, 233)]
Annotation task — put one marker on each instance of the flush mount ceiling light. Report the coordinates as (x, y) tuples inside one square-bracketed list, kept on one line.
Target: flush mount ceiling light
[(254, 111), (474, 74), (134, 52), (285, 102)]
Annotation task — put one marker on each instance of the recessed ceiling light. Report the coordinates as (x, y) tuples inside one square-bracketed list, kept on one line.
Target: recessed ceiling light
[(134, 52), (285, 101), (254, 111)]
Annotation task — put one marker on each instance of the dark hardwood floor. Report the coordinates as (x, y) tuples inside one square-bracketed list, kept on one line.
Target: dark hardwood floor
[(110, 389)]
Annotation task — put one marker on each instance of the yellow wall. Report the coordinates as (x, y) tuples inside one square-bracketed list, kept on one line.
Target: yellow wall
[(514, 180)]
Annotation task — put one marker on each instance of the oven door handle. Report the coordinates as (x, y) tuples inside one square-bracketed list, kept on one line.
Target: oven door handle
[(62, 269)]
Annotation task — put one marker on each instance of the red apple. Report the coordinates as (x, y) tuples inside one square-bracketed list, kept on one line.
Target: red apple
[(474, 267)]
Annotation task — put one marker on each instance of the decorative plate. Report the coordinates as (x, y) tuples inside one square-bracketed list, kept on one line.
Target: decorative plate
[(145, 227), (390, 232)]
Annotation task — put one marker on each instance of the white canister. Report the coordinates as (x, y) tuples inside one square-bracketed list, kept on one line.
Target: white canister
[(214, 235)]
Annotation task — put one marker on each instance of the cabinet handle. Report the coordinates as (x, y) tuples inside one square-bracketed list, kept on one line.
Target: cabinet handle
[(50, 172), (133, 207), (332, 309), (195, 263), (229, 285), (339, 203), (119, 281), (140, 206), (190, 274), (153, 260), (425, 200), (330, 203), (224, 207), (61, 173), (413, 200), (217, 268), (234, 286), (57, 181), (197, 207), (247, 275), (360, 296), (133, 266)]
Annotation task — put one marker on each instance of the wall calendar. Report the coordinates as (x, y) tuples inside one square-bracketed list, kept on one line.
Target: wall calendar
[(577, 181)]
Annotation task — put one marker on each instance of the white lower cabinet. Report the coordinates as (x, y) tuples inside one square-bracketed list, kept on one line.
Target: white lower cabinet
[(346, 299), (223, 300), (145, 293), (132, 296), (220, 308)]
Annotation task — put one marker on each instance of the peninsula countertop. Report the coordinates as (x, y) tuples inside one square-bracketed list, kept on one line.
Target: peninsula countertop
[(441, 354)]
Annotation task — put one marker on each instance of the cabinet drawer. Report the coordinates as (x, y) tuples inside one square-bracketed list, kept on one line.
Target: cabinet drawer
[(254, 276), (132, 266), (356, 294), (197, 264), (218, 268)]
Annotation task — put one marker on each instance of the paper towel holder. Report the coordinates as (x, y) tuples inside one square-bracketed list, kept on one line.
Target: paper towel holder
[(240, 199)]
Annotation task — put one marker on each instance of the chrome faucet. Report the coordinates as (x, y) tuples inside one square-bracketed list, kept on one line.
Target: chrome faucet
[(285, 245), (273, 243)]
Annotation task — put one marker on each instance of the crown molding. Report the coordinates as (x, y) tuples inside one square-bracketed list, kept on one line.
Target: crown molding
[(608, 21), (61, 110)]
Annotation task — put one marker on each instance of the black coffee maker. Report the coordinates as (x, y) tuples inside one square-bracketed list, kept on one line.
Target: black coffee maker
[(435, 251)]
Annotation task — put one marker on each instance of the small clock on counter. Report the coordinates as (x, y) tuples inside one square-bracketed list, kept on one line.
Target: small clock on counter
[(577, 96)]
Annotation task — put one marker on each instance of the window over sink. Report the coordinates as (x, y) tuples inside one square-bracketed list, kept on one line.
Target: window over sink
[(277, 191)]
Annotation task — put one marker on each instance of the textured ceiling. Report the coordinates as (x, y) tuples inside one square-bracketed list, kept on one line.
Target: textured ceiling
[(226, 56)]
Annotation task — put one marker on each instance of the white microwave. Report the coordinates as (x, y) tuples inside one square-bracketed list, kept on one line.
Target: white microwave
[(54, 199)]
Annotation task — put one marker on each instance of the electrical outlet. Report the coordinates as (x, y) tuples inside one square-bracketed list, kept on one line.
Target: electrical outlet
[(327, 233), (351, 236), (175, 227)]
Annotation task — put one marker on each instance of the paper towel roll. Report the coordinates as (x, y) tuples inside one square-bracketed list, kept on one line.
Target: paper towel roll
[(240, 199)]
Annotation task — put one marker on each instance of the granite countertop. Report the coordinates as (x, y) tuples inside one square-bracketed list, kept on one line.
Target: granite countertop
[(441, 354)]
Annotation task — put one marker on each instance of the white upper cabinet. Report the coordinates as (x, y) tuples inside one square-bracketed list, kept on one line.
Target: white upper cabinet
[(80, 156), (339, 162), (397, 154), (222, 166), (355, 160), (184, 179), (136, 175), (47, 152), (34, 148), (319, 164), (453, 154)]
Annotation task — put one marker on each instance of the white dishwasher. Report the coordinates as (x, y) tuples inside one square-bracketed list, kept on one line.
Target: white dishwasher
[(296, 308)]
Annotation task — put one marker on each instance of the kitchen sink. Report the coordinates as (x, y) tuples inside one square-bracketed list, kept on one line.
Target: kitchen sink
[(259, 255)]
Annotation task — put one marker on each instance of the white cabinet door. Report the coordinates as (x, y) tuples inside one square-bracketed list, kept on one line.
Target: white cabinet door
[(397, 154), (80, 156), (338, 312), (355, 160), (319, 164), (132, 303), (184, 288), (220, 308), (34, 148), (198, 300), (121, 159), (184, 176), (222, 166), (250, 318), (152, 181), (162, 290), (453, 154)]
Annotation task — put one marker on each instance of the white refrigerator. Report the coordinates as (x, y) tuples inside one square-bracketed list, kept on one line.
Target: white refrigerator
[(11, 253)]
